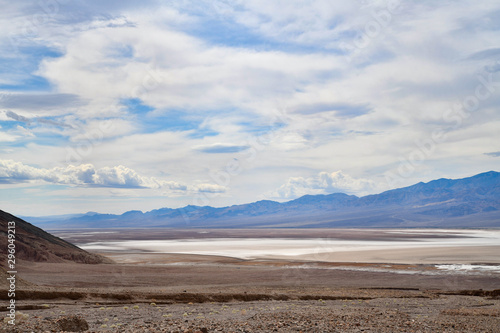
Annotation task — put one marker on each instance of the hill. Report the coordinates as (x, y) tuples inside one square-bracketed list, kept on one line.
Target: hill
[(34, 244)]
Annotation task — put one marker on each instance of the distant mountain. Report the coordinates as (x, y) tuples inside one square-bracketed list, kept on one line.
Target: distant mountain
[(34, 244), (469, 202)]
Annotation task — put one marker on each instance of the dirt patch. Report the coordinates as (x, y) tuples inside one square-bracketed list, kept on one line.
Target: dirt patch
[(472, 312)]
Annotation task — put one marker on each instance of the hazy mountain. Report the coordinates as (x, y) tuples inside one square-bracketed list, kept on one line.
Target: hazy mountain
[(468, 202), (34, 244)]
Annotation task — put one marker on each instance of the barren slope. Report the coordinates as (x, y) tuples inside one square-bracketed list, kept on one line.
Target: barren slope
[(34, 244)]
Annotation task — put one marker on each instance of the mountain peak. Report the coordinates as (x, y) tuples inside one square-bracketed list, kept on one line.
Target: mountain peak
[(487, 174)]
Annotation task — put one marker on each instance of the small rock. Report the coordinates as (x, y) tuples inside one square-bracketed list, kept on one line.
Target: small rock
[(72, 324)]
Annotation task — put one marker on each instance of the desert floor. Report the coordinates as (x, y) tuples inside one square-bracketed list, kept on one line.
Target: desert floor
[(152, 292)]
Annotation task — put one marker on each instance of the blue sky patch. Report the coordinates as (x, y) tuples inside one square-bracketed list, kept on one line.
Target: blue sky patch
[(120, 51), (225, 32), (20, 68), (28, 83), (8, 125), (173, 120), (258, 129), (222, 148), (201, 133), (136, 106)]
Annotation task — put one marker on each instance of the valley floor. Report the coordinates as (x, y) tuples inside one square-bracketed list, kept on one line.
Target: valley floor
[(166, 292), (228, 296)]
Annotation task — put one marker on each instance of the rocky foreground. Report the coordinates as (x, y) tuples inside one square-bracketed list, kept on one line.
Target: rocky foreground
[(360, 310)]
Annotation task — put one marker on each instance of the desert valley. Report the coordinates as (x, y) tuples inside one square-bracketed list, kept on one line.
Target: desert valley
[(241, 166), (262, 279)]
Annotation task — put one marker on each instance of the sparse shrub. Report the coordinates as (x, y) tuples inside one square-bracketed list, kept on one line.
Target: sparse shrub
[(20, 317)]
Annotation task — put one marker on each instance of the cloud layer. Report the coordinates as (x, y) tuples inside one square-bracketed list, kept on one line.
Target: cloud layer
[(290, 91)]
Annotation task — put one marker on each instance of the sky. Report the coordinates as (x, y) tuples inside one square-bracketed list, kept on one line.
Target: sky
[(111, 106)]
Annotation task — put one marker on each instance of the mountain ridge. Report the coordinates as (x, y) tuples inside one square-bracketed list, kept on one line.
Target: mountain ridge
[(440, 202)]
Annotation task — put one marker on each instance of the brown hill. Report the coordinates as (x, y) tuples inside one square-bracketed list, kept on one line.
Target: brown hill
[(35, 244), (4, 283)]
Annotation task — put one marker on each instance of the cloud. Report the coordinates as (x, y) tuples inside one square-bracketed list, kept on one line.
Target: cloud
[(221, 148), (87, 175), (208, 76), (82, 175), (316, 23), (185, 74), (484, 54), (324, 183), (17, 117), (340, 109), (210, 188), (5, 137), (40, 101), (120, 176), (53, 122), (493, 154)]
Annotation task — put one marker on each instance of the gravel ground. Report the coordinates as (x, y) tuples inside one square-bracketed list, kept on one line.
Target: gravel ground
[(443, 313), (244, 296)]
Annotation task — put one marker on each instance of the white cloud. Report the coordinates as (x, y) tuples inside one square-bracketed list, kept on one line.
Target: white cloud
[(5, 137), (317, 22), (87, 175), (82, 175), (210, 188), (324, 183), (98, 130), (171, 69)]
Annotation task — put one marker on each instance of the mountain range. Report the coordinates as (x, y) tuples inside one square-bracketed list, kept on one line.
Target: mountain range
[(463, 203)]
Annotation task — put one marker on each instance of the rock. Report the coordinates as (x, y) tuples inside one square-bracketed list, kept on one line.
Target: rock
[(72, 324)]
